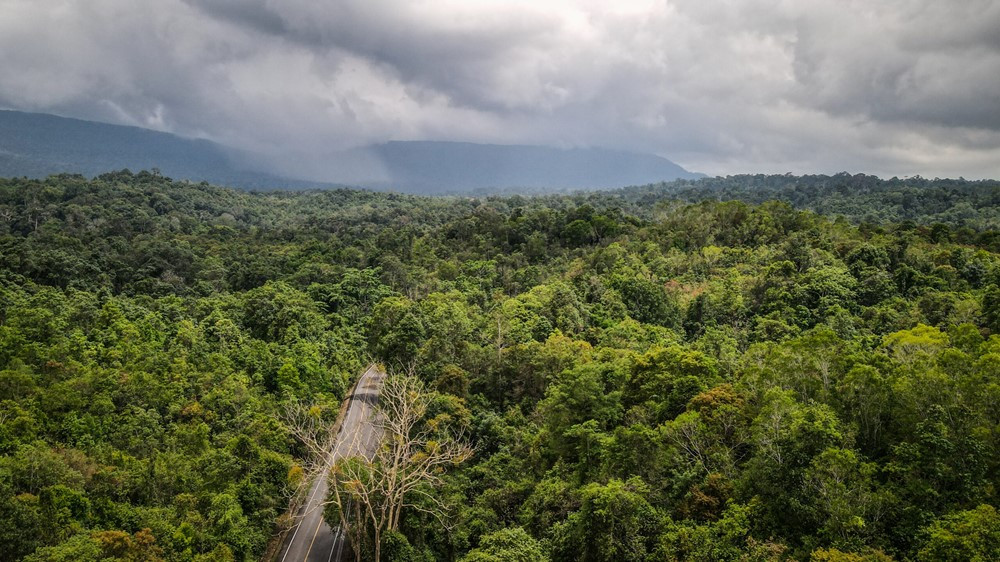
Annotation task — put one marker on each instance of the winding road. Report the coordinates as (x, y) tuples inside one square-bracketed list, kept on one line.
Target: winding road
[(312, 540)]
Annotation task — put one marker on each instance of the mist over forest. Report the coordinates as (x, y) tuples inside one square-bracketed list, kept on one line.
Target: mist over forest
[(499, 281)]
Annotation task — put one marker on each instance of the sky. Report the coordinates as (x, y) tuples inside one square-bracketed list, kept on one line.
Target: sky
[(890, 87)]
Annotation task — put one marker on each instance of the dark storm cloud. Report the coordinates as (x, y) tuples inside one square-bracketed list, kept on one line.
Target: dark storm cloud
[(933, 63), (457, 58), (255, 14), (891, 86)]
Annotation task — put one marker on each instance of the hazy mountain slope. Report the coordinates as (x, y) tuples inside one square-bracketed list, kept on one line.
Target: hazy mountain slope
[(427, 166), (37, 145)]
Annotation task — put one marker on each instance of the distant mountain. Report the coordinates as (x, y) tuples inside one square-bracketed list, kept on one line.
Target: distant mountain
[(437, 167), (37, 145)]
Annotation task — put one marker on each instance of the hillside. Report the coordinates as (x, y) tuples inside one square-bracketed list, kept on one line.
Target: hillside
[(37, 145), (451, 167), (735, 380)]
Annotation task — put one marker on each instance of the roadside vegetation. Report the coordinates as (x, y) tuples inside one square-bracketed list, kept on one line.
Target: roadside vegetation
[(738, 368)]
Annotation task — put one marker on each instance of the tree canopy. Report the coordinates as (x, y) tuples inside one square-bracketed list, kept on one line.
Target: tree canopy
[(752, 367)]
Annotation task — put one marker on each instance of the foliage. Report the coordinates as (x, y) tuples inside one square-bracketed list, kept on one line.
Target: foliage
[(716, 370)]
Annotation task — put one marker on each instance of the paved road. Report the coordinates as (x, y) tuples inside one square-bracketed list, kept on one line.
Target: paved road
[(312, 540)]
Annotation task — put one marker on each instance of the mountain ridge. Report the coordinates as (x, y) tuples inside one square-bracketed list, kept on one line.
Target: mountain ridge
[(39, 144), (483, 166)]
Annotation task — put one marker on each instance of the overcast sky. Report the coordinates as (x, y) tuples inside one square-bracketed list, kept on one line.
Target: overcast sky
[(893, 87)]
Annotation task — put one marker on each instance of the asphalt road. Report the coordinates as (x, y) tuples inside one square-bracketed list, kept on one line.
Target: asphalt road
[(312, 539)]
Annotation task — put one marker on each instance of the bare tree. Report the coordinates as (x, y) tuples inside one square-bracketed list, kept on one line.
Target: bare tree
[(310, 425), (410, 455)]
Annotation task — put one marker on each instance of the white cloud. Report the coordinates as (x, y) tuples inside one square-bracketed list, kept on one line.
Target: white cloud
[(895, 87)]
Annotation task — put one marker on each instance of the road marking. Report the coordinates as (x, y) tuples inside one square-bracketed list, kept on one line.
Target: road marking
[(355, 417), (313, 541), (316, 488), (336, 538), (340, 551), (338, 535)]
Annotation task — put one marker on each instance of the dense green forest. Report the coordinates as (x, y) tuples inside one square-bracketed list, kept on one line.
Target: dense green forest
[(742, 368)]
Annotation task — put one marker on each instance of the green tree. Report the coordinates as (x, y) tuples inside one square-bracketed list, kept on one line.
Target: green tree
[(615, 522), (965, 535), (507, 545)]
